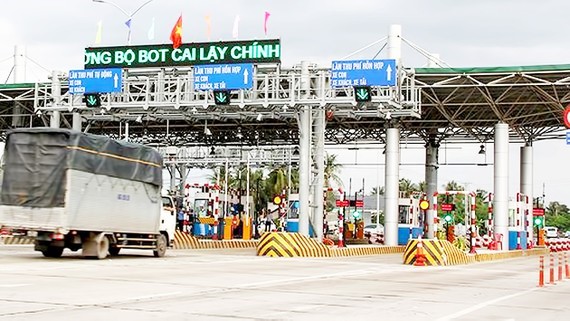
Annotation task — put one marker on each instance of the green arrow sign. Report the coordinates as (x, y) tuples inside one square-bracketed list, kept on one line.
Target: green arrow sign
[(222, 97), (362, 93), (92, 100)]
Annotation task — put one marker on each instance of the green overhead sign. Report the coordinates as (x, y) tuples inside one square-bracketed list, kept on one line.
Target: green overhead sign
[(247, 51)]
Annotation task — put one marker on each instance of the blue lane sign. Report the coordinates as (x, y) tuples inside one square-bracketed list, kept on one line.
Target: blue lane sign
[(220, 77), (91, 81), (347, 73), (568, 138)]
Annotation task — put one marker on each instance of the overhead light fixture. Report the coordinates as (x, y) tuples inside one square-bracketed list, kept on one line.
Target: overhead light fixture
[(259, 117), (194, 110), (482, 150), (139, 119)]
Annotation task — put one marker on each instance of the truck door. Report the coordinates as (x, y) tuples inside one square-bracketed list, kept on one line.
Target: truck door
[(168, 217)]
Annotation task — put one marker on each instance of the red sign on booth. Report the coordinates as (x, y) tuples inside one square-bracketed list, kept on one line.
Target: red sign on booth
[(538, 211), (359, 203), (447, 207), (340, 203)]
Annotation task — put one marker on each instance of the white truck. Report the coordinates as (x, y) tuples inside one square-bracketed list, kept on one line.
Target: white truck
[(82, 191)]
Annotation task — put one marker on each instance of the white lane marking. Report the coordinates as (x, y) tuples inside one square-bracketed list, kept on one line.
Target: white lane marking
[(485, 304), (13, 285), (144, 297), (311, 278)]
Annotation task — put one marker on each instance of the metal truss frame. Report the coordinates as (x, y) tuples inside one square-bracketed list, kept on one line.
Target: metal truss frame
[(161, 107)]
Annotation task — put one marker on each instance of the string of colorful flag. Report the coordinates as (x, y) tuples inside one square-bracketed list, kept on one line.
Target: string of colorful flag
[(176, 33)]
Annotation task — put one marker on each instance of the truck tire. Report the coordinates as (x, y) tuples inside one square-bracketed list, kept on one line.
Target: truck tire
[(114, 251), (103, 248), (160, 246), (53, 251)]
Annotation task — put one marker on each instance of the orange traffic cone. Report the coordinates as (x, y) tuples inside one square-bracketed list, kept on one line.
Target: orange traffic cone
[(420, 256)]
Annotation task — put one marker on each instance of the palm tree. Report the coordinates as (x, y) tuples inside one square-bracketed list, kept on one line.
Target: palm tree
[(277, 180), (422, 186), (454, 186), (213, 177), (375, 190), (332, 170), (406, 186)]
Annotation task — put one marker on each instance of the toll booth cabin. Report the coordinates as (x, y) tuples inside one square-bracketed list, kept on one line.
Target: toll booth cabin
[(290, 215), (410, 220), (210, 206)]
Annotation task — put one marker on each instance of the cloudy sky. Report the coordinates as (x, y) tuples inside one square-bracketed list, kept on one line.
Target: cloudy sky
[(463, 33)]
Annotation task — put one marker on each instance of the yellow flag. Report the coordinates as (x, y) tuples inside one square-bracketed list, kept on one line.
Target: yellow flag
[(99, 31)]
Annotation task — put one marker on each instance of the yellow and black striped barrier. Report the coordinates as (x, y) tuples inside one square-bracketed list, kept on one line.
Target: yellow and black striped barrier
[(282, 244), (366, 250), (492, 256), (442, 252), (432, 248), (185, 241), (455, 256)]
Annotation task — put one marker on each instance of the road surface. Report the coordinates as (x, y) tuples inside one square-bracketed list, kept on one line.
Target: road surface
[(237, 285)]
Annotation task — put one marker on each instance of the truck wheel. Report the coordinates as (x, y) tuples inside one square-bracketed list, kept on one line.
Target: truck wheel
[(103, 248), (53, 251), (160, 246), (114, 251)]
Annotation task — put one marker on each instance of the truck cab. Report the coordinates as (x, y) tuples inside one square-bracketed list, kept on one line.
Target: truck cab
[(168, 218)]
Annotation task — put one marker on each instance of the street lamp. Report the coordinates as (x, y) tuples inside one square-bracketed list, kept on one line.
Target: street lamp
[(129, 15)]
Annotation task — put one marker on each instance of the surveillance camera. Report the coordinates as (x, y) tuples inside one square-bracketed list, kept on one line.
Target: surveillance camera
[(388, 116)]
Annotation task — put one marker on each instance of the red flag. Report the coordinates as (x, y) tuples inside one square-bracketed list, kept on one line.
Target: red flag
[(176, 34)]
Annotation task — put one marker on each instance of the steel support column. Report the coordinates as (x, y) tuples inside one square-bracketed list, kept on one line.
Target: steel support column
[(392, 186), (304, 168), (56, 96), (76, 122), (318, 200), (19, 73), (173, 177), (305, 134), (394, 45), (501, 186), (526, 183), (432, 153)]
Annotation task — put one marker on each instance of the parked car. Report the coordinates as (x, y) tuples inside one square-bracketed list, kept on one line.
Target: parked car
[(551, 231), (370, 229)]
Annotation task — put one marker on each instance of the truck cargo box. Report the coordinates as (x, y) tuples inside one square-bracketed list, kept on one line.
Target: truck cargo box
[(58, 179)]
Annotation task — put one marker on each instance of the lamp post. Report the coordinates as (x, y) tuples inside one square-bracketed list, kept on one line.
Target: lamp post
[(129, 15)]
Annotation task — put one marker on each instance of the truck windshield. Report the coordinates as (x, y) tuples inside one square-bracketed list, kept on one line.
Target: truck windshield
[(166, 202)]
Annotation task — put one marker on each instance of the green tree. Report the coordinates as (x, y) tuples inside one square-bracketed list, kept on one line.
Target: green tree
[(558, 215), (482, 209), (375, 190), (454, 186), (277, 180), (407, 187), (422, 186), (332, 171)]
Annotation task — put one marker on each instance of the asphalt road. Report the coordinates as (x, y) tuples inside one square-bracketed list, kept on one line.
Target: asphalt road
[(237, 285)]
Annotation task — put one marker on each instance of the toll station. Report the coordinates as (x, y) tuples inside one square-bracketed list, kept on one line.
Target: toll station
[(233, 103)]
